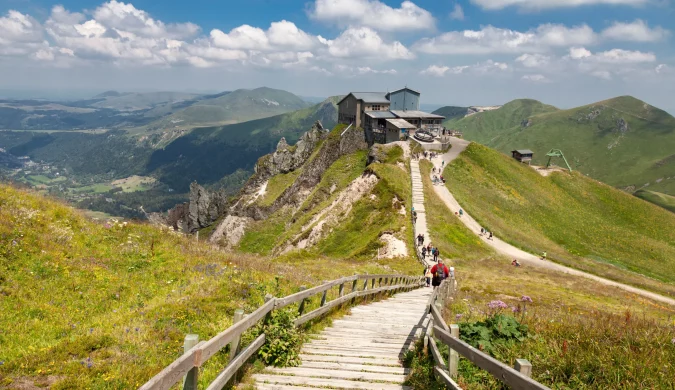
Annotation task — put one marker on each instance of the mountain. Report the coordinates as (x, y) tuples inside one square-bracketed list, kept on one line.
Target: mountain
[(623, 141), (664, 200), (108, 94), (140, 101), (234, 107), (451, 112)]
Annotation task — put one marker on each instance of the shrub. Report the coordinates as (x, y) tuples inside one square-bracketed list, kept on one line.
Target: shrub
[(282, 340), (494, 330)]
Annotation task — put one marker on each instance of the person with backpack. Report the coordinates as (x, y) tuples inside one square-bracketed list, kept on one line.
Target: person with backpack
[(435, 251), (414, 216), (424, 252), (439, 272)]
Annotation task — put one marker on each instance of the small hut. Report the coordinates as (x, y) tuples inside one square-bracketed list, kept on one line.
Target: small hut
[(523, 155)]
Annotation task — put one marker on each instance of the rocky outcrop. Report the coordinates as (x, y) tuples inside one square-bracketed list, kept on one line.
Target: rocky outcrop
[(526, 123), (202, 209), (621, 126)]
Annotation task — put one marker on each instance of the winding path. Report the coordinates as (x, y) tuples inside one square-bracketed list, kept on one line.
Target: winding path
[(458, 146)]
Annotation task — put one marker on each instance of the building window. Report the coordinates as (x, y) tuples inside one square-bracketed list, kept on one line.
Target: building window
[(376, 107)]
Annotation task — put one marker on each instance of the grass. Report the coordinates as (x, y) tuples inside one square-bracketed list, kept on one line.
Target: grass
[(590, 138), (582, 335), (578, 221), (90, 305), (663, 200), (277, 185)]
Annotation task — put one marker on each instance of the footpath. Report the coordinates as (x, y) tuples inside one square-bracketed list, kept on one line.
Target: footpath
[(420, 226), (458, 146)]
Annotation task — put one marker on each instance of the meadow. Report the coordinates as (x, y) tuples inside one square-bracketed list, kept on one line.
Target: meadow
[(580, 222), (107, 305)]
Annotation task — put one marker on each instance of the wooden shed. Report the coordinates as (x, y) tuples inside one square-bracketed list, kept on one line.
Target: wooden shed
[(523, 155)]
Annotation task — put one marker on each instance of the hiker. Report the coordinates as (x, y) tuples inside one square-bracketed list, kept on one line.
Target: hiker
[(424, 252), (461, 212), (436, 252), (543, 256), (433, 170), (442, 179), (439, 272), (490, 238), (414, 216), (482, 231), (429, 249), (420, 239), (428, 275), (442, 163), (515, 263)]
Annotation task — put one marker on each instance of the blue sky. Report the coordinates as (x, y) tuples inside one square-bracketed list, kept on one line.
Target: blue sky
[(564, 52)]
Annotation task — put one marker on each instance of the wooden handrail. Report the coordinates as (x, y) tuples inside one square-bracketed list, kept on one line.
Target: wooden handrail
[(449, 335), (201, 352)]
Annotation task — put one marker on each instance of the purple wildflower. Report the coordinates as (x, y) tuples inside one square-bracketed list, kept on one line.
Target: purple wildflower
[(525, 298), (91, 330), (458, 317), (515, 309), (137, 329), (3, 362), (673, 341), (497, 305)]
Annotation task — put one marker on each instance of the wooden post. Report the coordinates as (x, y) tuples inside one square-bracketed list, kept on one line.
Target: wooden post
[(323, 298), (268, 297), (372, 283), (302, 303), (524, 367), (342, 290), (354, 286), (234, 345), (453, 356), (379, 283), (365, 285), (192, 377)]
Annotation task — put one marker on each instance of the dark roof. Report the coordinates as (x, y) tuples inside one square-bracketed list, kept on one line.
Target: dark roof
[(380, 114), (416, 114), (523, 151), (401, 89), (368, 97)]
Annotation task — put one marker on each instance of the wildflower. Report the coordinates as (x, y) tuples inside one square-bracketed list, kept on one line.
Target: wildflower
[(3, 362), (525, 298), (673, 341), (497, 305), (515, 309), (458, 317), (137, 329), (91, 330)]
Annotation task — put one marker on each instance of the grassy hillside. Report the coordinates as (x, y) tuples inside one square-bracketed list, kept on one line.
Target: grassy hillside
[(623, 142), (93, 305), (226, 149), (483, 127), (451, 112), (659, 199), (234, 107), (578, 221), (140, 101)]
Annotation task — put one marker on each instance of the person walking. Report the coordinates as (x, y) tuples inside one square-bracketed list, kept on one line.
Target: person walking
[(443, 164), (543, 256), (490, 238), (428, 275), (424, 252), (439, 273), (414, 216), (436, 253), (482, 231), (461, 212), (429, 249)]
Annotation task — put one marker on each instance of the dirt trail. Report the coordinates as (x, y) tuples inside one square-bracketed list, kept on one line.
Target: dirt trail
[(458, 146)]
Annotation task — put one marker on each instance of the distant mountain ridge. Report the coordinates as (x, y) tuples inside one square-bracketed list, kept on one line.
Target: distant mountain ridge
[(623, 141)]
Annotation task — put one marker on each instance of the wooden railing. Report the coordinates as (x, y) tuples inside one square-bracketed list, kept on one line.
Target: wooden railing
[(516, 378), (196, 353)]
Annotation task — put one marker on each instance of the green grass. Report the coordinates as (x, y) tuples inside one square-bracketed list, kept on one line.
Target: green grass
[(663, 200), (42, 179), (123, 296), (578, 221), (95, 188), (277, 185), (589, 137)]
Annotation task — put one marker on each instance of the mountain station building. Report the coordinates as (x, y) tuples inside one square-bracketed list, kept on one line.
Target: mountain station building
[(385, 116)]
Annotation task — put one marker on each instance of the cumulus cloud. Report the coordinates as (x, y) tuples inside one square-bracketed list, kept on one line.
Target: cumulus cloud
[(547, 4), (481, 68), (457, 13), (283, 35), (637, 31), (535, 78), (363, 42), (614, 56), (20, 34), (662, 68), (373, 14), (533, 60), (126, 17), (498, 40)]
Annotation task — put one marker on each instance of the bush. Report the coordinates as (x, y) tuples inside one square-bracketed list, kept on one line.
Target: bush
[(498, 329), (282, 340)]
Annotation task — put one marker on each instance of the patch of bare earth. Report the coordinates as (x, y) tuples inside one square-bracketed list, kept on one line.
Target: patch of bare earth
[(230, 231)]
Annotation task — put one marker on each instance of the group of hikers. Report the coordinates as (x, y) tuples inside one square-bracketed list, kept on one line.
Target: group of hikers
[(429, 249), (483, 231), (429, 155)]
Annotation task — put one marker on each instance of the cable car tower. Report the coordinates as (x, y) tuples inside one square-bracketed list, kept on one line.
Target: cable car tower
[(557, 153)]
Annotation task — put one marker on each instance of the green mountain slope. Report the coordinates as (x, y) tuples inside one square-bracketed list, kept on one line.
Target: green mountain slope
[(623, 142), (234, 107), (451, 112), (140, 101), (578, 221), (664, 200)]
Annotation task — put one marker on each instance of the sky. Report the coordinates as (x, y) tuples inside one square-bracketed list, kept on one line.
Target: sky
[(467, 52)]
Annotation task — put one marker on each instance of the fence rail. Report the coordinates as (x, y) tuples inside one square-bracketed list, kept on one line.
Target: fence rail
[(517, 377), (187, 365)]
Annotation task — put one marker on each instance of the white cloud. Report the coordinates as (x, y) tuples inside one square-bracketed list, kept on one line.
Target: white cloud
[(20, 34), (244, 37), (614, 56), (491, 39), (533, 60), (662, 68), (602, 74), (126, 17), (480, 68), (535, 78), (637, 31), (351, 71), (546, 4), (287, 34), (457, 13), (373, 14), (363, 42)]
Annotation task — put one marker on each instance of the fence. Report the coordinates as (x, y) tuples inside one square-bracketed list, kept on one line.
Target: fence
[(196, 353), (517, 377)]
